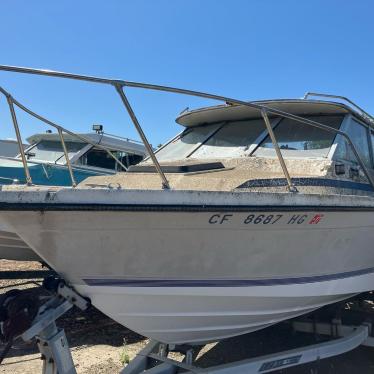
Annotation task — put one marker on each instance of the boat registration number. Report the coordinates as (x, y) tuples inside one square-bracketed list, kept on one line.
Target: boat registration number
[(267, 219)]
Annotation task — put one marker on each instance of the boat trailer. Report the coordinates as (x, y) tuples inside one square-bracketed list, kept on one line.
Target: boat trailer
[(153, 359), (22, 317)]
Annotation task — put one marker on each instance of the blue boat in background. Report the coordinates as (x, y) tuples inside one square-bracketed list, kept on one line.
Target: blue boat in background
[(47, 164)]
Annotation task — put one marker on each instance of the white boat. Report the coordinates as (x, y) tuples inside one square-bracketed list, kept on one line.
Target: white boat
[(232, 243)]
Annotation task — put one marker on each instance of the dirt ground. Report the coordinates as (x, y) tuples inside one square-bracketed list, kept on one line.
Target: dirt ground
[(97, 343)]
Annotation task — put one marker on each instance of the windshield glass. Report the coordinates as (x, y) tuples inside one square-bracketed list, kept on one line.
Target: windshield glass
[(239, 138), (186, 142), (297, 139), (52, 151), (232, 140), (228, 139)]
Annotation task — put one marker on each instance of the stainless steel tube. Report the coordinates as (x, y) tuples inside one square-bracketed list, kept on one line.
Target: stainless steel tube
[(19, 140), (68, 163), (291, 187), (165, 183)]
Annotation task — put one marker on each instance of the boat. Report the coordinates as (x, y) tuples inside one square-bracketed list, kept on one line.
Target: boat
[(46, 160), (257, 212), (47, 166), (9, 147)]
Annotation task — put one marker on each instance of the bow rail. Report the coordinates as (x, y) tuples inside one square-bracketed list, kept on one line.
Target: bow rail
[(264, 110)]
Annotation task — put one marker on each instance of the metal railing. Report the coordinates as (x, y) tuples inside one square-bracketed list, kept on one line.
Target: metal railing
[(264, 110), (13, 102), (362, 112), (122, 138)]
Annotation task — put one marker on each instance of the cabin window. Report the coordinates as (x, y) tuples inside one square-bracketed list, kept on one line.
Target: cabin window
[(52, 151), (101, 159), (231, 140), (297, 139), (98, 158), (359, 136), (184, 144), (129, 159)]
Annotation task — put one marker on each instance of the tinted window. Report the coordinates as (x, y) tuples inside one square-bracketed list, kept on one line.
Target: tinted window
[(129, 159), (102, 159)]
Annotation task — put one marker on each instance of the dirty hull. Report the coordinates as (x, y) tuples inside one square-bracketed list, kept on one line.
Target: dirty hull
[(189, 266)]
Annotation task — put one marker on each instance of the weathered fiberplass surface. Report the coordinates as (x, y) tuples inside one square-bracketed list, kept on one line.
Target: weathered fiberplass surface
[(236, 172)]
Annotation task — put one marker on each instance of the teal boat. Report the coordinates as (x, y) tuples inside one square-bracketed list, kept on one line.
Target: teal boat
[(47, 164)]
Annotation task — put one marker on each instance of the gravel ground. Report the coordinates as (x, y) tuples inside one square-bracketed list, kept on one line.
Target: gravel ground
[(97, 343)]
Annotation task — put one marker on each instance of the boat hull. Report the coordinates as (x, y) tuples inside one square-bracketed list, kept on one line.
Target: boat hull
[(12, 247), (200, 315), (196, 273), (42, 173)]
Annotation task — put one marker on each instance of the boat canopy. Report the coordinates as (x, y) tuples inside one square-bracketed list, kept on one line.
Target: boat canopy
[(221, 113), (111, 142)]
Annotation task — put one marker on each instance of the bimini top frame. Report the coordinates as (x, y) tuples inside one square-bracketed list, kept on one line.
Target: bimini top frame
[(120, 85)]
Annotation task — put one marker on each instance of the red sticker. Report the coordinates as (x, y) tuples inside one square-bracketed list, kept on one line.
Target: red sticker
[(316, 219)]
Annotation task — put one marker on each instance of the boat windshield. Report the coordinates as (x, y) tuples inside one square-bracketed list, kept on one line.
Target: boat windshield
[(297, 139), (52, 151), (238, 138), (228, 139)]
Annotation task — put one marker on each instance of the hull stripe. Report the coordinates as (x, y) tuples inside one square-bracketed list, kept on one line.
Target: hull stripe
[(222, 282), (306, 182)]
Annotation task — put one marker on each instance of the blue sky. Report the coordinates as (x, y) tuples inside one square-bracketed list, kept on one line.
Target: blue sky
[(248, 49)]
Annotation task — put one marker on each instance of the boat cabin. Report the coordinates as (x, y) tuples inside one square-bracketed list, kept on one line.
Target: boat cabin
[(48, 148), (228, 147), (9, 147), (237, 131), (88, 155)]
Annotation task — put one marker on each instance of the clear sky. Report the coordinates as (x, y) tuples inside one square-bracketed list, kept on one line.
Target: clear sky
[(249, 49)]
